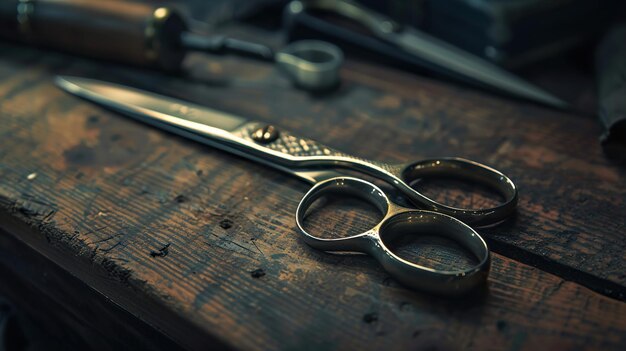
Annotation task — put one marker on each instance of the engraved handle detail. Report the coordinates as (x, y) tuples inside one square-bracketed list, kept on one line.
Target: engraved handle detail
[(285, 142), (289, 144)]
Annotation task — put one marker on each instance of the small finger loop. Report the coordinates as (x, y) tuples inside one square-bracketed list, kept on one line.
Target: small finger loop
[(344, 186), (466, 170)]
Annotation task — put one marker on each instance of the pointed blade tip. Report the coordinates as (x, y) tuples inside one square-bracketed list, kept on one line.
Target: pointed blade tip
[(68, 83)]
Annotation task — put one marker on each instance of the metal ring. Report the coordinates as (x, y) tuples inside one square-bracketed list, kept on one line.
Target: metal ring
[(468, 170), (311, 64), (341, 185), (401, 221)]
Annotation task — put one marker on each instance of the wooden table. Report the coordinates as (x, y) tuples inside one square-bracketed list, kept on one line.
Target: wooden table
[(118, 235)]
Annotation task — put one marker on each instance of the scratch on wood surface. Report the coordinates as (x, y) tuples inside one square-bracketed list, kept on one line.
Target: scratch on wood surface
[(35, 208), (109, 249), (257, 247), (107, 238), (96, 230), (234, 243)]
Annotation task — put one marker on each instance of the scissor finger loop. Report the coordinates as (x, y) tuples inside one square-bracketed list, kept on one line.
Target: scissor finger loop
[(399, 221), (345, 186), (459, 168)]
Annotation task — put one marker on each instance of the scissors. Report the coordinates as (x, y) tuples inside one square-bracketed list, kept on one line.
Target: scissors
[(408, 45), (321, 165)]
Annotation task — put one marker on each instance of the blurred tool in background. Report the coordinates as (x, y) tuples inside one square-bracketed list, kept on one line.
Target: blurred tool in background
[(152, 36), (509, 33), (611, 76), (392, 42)]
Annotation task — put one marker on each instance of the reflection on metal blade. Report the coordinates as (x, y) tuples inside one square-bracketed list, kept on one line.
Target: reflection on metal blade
[(149, 107), (467, 65)]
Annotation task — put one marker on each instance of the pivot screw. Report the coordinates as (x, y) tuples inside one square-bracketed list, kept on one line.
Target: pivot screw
[(265, 134)]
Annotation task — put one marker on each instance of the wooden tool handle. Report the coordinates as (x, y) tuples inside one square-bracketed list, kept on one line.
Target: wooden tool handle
[(132, 33)]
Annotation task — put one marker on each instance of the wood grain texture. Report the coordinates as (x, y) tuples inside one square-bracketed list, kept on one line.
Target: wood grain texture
[(182, 226), (70, 313)]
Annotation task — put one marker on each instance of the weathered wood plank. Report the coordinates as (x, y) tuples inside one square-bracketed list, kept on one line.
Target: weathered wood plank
[(102, 190), (72, 314)]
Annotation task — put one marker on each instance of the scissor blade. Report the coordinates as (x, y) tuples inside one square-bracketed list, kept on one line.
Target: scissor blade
[(150, 108), (465, 64)]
